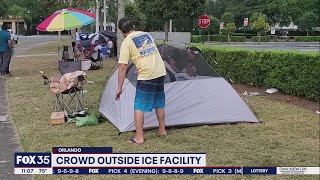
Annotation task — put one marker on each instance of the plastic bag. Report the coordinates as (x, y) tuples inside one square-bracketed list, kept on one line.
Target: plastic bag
[(87, 120)]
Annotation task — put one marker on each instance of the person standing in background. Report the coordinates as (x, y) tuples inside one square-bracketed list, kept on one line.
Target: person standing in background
[(6, 48)]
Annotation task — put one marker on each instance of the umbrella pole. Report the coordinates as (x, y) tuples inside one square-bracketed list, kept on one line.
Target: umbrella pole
[(70, 36), (59, 33)]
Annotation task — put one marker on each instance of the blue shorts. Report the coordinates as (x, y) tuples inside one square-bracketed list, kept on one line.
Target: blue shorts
[(150, 94)]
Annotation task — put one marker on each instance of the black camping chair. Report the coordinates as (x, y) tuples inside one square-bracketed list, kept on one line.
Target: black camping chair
[(67, 62), (71, 100)]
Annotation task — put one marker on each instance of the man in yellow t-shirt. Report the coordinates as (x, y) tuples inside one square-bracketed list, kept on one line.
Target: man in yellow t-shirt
[(140, 49)]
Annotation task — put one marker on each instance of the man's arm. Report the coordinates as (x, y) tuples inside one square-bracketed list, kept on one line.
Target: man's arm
[(10, 44), (121, 75), (123, 62)]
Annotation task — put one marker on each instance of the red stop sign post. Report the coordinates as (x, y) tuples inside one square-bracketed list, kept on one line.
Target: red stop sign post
[(203, 22)]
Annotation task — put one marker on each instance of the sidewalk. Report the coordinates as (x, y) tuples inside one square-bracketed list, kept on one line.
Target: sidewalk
[(8, 140)]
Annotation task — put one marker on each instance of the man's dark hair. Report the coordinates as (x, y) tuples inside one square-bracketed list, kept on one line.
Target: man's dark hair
[(126, 25), (4, 27)]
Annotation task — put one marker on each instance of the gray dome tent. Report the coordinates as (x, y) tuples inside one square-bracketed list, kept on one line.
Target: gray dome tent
[(195, 95)]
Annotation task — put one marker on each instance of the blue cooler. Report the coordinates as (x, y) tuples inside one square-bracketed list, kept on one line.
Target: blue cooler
[(104, 50)]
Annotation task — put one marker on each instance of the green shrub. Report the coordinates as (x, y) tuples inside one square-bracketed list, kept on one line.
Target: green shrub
[(262, 38), (219, 38), (216, 38), (291, 72), (237, 38), (307, 38), (196, 39)]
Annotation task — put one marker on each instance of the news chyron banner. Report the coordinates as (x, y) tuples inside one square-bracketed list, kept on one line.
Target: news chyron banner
[(101, 160)]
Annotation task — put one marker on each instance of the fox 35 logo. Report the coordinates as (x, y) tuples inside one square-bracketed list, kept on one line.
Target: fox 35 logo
[(32, 159)]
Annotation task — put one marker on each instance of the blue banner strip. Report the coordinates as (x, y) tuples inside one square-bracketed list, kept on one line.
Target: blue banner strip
[(81, 150), (145, 170)]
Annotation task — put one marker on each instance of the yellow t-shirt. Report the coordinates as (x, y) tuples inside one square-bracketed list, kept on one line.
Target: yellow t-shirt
[(140, 49)]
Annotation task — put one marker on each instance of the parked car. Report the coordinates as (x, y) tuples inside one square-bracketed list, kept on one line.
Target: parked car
[(14, 36)]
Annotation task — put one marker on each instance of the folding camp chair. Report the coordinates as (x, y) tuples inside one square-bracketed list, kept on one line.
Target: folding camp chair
[(71, 100)]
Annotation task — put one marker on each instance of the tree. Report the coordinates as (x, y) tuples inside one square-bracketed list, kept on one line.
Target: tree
[(261, 26), (227, 18), (214, 24), (278, 12), (132, 11), (239, 9), (230, 28), (297, 8), (83, 4), (18, 12), (308, 22), (3, 8), (165, 10), (255, 17), (216, 8)]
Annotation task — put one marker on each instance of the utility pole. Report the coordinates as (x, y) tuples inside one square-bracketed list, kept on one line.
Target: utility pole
[(121, 14), (97, 15), (104, 15)]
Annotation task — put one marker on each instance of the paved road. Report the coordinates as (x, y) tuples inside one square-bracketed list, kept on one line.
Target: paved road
[(9, 142), (29, 42), (301, 46)]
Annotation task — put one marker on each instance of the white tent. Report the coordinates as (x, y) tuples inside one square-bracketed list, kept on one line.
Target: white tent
[(205, 98)]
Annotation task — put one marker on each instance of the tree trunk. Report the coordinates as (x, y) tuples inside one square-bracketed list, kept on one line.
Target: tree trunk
[(166, 31), (228, 38), (307, 33), (121, 14), (208, 35), (259, 35)]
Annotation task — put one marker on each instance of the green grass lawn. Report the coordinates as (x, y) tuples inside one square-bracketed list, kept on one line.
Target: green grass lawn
[(289, 135)]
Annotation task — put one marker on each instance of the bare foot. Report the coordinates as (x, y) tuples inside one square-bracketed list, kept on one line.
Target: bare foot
[(161, 133), (135, 141)]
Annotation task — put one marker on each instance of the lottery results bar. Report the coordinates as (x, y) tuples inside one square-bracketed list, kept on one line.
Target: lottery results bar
[(101, 160)]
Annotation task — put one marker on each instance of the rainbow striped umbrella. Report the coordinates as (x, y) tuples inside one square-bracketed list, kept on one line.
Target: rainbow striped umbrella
[(66, 19)]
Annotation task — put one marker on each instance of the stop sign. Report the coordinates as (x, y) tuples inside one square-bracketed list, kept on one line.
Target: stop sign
[(204, 21)]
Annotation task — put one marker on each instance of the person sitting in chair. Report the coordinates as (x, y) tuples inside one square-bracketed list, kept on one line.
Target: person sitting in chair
[(109, 46), (76, 51), (95, 52)]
